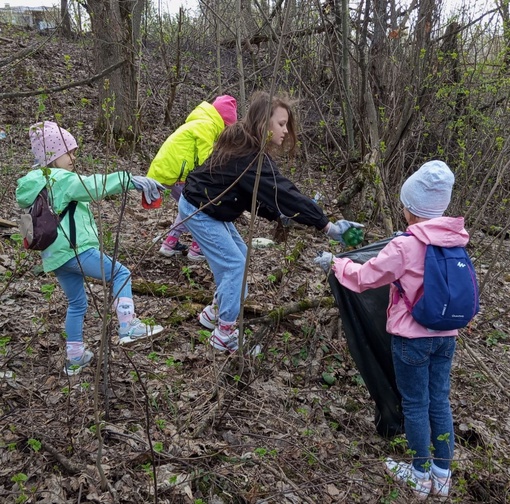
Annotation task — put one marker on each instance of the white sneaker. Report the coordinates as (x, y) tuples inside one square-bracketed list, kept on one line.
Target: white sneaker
[(224, 341), (441, 486), (209, 316), (404, 473), (230, 342), (137, 330), (74, 366)]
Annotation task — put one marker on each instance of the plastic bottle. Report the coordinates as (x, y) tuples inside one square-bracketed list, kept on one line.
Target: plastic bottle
[(353, 236), (318, 197)]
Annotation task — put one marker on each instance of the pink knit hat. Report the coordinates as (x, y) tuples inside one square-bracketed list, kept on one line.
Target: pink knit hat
[(49, 142), (226, 106)]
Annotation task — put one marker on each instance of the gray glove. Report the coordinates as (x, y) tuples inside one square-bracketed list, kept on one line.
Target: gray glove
[(149, 187), (337, 229), (324, 260), (286, 221)]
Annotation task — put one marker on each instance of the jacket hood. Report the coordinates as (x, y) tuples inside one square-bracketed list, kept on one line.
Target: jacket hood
[(441, 231), (30, 186), (205, 110)]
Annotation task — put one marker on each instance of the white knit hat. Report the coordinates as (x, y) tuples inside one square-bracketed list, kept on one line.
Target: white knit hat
[(427, 192), (49, 142)]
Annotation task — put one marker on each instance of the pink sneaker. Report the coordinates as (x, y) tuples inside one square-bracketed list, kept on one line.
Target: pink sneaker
[(194, 253), (171, 247)]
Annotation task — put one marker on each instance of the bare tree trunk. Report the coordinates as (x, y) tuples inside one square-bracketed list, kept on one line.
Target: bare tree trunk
[(116, 26), (239, 54), (346, 75), (173, 71), (217, 33), (65, 26)]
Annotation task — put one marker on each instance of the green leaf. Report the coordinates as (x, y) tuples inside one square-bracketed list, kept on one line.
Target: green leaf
[(328, 378)]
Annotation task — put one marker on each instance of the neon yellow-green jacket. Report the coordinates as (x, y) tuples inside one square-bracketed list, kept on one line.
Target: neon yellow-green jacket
[(188, 146)]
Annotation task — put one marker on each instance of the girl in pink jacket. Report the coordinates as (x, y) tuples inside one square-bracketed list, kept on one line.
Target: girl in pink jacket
[(422, 358)]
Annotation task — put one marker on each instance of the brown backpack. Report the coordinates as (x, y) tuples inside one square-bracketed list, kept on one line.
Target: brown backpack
[(39, 224)]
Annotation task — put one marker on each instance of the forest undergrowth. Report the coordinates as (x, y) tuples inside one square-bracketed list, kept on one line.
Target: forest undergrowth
[(170, 420)]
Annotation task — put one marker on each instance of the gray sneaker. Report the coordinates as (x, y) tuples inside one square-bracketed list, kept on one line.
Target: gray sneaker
[(137, 330), (74, 366)]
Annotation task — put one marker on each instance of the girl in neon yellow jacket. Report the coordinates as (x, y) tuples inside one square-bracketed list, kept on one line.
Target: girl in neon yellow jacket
[(54, 150), (186, 148)]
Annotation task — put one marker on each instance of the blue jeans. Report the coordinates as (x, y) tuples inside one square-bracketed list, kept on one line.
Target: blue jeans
[(225, 252), (71, 278), (422, 370)]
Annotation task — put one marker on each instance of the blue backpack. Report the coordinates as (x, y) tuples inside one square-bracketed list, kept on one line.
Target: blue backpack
[(450, 290)]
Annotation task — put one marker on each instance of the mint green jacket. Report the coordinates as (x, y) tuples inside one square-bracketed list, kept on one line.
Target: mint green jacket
[(188, 146), (63, 187)]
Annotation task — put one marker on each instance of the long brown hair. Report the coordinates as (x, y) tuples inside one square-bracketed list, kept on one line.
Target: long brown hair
[(247, 135)]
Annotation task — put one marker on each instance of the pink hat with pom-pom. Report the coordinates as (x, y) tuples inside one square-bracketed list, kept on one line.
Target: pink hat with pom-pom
[(49, 142)]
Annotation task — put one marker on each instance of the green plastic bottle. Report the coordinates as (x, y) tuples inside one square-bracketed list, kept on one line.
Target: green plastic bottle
[(353, 236)]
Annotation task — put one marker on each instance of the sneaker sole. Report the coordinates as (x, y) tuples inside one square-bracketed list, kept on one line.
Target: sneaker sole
[(169, 253), (219, 345), (74, 372), (196, 258), (126, 340), (253, 352)]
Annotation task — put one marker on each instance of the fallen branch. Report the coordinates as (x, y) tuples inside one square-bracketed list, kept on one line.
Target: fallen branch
[(275, 316), (23, 94), (70, 466), (487, 371), (7, 223)]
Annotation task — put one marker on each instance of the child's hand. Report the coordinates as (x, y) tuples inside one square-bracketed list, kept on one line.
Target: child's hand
[(324, 260), (150, 187), (337, 229)]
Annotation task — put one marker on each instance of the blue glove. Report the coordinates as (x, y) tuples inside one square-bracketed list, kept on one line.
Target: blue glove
[(337, 229), (151, 189), (324, 260)]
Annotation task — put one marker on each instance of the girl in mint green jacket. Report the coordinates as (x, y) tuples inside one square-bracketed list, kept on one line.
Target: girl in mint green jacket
[(185, 149), (54, 150)]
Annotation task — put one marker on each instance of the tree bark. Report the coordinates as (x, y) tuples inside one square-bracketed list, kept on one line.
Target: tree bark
[(116, 27), (65, 26)]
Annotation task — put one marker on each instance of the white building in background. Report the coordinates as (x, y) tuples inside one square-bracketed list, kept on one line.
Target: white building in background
[(39, 18)]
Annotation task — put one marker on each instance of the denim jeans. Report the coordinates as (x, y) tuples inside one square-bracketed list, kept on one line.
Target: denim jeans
[(422, 370), (225, 252), (71, 278)]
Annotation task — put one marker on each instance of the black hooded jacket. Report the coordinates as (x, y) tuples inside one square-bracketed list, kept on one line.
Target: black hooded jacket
[(276, 194)]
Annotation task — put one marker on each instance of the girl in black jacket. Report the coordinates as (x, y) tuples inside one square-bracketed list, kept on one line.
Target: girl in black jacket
[(223, 188)]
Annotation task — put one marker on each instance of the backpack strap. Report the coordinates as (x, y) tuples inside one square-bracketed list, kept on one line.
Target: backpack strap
[(401, 294), (71, 207), (400, 290), (72, 224)]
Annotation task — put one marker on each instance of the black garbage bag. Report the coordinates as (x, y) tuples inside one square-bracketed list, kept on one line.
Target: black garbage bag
[(364, 322)]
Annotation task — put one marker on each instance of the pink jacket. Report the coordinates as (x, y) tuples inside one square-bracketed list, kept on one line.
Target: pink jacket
[(403, 259)]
